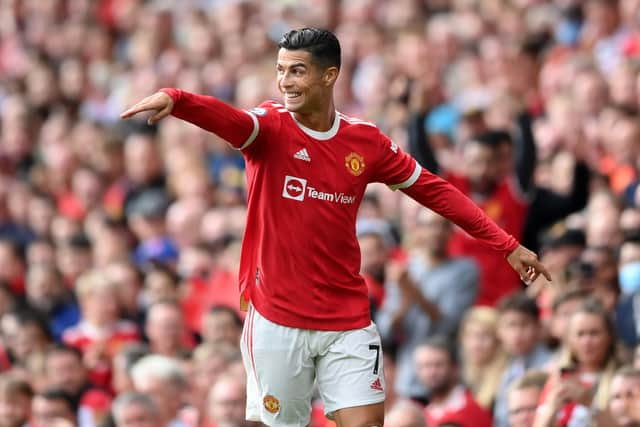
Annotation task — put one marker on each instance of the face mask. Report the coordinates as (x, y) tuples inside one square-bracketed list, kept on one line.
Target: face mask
[(629, 278)]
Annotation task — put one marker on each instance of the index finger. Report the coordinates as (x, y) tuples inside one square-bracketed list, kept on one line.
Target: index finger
[(137, 108), (537, 265)]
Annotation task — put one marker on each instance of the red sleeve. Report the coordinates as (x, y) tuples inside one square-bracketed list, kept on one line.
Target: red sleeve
[(401, 172), (442, 197), (238, 127)]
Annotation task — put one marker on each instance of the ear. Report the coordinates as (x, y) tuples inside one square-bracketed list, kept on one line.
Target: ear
[(330, 76)]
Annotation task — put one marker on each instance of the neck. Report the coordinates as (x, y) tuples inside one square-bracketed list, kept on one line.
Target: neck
[(320, 120), (441, 395)]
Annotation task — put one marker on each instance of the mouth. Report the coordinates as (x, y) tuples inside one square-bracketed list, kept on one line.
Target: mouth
[(292, 95)]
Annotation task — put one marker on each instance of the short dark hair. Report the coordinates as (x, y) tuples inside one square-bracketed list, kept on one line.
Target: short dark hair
[(323, 45), (64, 349), (221, 308), (519, 302), (442, 343)]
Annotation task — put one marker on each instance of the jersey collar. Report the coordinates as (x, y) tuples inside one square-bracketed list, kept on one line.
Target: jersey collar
[(317, 134)]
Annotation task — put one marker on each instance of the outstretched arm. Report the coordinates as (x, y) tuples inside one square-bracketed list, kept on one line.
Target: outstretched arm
[(238, 127), (443, 198)]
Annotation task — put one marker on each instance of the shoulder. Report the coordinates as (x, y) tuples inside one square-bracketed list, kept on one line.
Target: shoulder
[(268, 108), (357, 123)]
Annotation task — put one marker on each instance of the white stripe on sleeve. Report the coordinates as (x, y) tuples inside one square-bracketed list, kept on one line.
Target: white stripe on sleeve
[(410, 181), (254, 133)]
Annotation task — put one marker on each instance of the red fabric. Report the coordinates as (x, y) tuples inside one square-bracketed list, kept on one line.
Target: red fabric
[(317, 416), (98, 402), (497, 278), (300, 257), (232, 125), (620, 175), (17, 285), (113, 199), (468, 414), (82, 338), (71, 207), (221, 289)]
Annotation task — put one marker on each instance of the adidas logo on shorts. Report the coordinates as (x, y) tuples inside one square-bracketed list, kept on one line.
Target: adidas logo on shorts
[(376, 385)]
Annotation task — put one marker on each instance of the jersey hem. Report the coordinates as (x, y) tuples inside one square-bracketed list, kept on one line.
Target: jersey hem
[(292, 320)]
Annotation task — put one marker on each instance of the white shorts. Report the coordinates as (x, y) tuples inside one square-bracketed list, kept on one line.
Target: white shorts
[(282, 364)]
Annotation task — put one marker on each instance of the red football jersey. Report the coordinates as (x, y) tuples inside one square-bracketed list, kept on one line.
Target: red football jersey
[(300, 257)]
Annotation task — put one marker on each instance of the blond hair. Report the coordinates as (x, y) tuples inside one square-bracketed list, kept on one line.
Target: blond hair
[(483, 381), (92, 281)]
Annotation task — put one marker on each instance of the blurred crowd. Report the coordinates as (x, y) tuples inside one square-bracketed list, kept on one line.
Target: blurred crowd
[(120, 242)]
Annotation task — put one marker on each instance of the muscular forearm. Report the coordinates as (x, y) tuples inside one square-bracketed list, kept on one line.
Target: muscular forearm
[(443, 198), (231, 124)]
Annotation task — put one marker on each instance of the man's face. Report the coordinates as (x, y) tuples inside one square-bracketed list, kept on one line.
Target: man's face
[(14, 410), (433, 368), (436, 231), (522, 406), (165, 326), (136, 415), (227, 403), (220, 326), (302, 82), (43, 288), (518, 332), (65, 371), (624, 392), (373, 255), (45, 411), (480, 165)]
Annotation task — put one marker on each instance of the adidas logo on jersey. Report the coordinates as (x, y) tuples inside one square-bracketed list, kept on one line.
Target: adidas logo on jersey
[(376, 385), (302, 155)]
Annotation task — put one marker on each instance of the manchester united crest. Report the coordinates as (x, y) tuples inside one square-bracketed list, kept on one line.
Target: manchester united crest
[(271, 404), (354, 163)]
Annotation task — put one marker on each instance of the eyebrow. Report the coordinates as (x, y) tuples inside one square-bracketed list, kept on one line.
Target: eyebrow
[(295, 64)]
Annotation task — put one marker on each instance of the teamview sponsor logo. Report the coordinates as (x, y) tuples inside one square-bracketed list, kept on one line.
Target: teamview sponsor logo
[(297, 189)]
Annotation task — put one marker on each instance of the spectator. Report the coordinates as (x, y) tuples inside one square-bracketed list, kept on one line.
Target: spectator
[(123, 361), (52, 406), (483, 359), (210, 361), (523, 398), (564, 305), (100, 332), (65, 371), (163, 379), (160, 284), (583, 379), (625, 390), (227, 401), (425, 298), (375, 254), (133, 409), (15, 401), (629, 279), (47, 294), (519, 334), (166, 332), (222, 323), (449, 400)]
